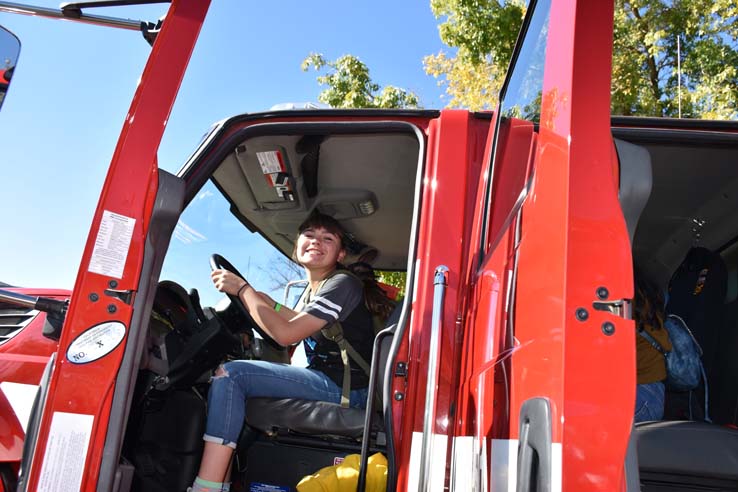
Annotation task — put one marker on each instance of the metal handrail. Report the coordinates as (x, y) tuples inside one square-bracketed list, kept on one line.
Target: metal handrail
[(440, 282), (101, 20)]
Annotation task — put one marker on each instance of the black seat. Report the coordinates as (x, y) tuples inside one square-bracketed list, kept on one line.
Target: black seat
[(321, 418), (724, 393), (687, 456)]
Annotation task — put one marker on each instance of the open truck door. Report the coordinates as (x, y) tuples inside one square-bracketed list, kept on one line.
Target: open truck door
[(9, 52), (83, 408), (548, 377)]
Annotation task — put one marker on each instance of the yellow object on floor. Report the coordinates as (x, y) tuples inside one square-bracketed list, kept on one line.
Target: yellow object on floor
[(345, 477)]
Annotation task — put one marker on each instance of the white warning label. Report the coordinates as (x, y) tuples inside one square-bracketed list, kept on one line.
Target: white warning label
[(66, 451), (112, 244), (270, 162)]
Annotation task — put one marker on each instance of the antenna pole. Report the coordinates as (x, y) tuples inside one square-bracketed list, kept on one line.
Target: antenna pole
[(679, 74)]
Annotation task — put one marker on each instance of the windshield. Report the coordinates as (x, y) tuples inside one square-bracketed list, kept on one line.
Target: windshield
[(207, 226)]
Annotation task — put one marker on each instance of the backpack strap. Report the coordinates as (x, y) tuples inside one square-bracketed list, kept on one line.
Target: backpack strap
[(334, 333), (654, 343)]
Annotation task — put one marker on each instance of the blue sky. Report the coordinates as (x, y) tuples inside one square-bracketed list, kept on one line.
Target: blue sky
[(73, 85)]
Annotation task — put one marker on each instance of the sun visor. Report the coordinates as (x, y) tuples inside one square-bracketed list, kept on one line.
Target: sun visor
[(269, 174)]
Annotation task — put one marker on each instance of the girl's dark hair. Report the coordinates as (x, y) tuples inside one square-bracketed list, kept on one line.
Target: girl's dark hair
[(375, 298), (648, 302), (319, 220)]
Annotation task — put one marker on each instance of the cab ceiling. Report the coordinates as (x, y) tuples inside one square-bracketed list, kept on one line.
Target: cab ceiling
[(695, 179), (366, 181)]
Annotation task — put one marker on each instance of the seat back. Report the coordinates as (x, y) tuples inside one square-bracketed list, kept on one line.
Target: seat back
[(687, 457), (636, 180), (321, 418), (724, 404), (387, 335)]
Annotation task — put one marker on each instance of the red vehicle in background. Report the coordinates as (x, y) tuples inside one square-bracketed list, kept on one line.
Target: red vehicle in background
[(511, 364), (24, 353)]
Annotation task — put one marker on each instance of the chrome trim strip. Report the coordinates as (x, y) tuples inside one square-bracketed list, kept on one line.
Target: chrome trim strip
[(18, 299), (101, 20), (440, 282)]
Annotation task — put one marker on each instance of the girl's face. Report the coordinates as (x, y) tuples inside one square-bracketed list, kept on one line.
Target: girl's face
[(318, 248)]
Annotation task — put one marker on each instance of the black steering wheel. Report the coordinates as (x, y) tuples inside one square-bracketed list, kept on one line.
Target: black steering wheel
[(217, 262)]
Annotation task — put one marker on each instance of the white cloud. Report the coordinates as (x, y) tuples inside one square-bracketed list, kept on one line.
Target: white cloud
[(205, 194), (187, 234)]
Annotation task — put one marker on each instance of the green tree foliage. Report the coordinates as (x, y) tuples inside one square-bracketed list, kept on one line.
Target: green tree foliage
[(646, 78), (483, 34), (350, 86), (395, 279)]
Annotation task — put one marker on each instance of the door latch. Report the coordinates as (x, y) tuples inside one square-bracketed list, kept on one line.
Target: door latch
[(619, 307), (124, 295)]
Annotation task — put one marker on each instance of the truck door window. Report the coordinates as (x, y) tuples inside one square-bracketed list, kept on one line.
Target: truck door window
[(518, 111)]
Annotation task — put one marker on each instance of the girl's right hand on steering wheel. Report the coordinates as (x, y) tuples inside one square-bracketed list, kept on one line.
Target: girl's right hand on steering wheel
[(227, 282)]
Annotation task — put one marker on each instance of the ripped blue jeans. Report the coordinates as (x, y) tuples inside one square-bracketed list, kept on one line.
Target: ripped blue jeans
[(236, 381)]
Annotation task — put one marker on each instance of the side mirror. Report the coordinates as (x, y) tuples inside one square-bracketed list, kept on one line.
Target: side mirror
[(9, 52), (293, 291)]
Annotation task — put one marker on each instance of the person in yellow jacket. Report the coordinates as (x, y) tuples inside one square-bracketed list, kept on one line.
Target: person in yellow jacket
[(345, 477), (649, 314)]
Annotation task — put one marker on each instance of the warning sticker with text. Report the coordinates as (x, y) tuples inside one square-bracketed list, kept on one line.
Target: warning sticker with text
[(66, 451), (112, 244), (270, 162)]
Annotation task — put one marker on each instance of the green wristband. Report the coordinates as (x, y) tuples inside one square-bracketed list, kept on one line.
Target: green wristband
[(277, 306)]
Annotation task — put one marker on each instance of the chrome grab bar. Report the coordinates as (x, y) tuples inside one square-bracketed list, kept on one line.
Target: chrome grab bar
[(70, 14), (440, 282)]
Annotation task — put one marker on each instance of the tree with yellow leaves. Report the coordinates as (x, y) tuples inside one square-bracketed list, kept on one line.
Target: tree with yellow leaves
[(670, 57)]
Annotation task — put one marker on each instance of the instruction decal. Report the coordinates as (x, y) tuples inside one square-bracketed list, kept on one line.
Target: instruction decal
[(275, 172), (66, 452), (112, 244), (96, 342), (271, 162)]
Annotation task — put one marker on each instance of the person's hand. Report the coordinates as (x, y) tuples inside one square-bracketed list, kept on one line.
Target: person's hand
[(227, 282)]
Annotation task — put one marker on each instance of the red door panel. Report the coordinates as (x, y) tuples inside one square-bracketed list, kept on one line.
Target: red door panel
[(74, 425), (546, 259)]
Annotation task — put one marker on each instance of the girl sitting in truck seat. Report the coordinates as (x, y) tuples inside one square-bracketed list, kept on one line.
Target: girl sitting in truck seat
[(648, 312), (320, 248)]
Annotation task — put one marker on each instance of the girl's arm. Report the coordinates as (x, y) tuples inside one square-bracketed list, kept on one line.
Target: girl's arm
[(285, 328), (283, 310)]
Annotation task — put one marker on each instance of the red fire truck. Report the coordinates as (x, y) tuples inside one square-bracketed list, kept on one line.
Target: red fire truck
[(511, 365)]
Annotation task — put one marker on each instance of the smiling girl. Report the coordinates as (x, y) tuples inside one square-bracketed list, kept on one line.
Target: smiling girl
[(319, 249)]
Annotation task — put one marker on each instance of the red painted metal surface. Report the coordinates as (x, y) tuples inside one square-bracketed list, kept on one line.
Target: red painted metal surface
[(571, 221), (24, 357), (455, 143), (485, 407), (574, 241), (129, 189), (598, 251), (11, 433)]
